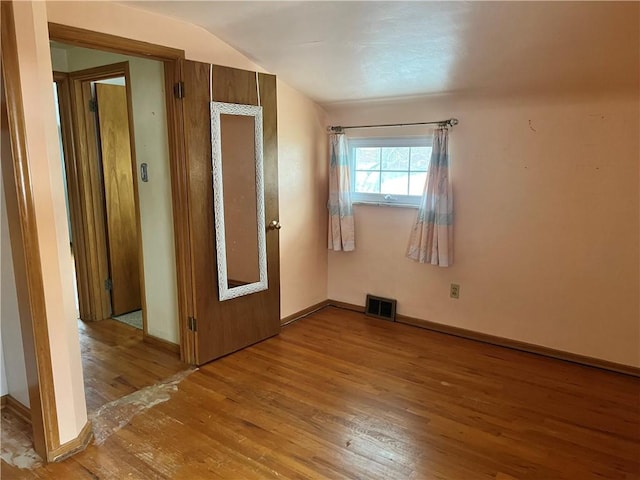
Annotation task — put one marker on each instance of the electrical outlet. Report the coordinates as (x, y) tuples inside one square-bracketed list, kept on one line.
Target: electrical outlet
[(455, 291)]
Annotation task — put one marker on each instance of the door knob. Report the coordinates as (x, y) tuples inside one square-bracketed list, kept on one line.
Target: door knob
[(275, 225)]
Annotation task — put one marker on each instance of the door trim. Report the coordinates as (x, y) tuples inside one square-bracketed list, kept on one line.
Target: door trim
[(173, 61), (28, 267), (81, 37), (78, 227), (89, 190), (86, 183), (180, 203)]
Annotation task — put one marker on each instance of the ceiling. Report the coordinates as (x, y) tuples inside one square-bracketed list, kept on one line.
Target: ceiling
[(345, 51)]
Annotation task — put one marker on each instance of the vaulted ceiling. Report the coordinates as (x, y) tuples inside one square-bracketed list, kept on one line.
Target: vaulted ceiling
[(344, 51)]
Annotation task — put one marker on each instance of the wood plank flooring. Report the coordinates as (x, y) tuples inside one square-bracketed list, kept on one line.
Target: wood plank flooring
[(341, 396), (116, 362)]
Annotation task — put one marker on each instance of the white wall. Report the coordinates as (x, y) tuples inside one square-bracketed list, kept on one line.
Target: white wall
[(14, 374), (303, 185), (546, 223), (4, 389), (151, 144), (59, 60)]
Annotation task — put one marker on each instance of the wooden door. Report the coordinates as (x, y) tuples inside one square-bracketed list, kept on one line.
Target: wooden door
[(122, 233), (222, 327)]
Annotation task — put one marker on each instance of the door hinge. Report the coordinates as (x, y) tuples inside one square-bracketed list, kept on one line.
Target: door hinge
[(108, 284), (178, 90), (93, 105), (192, 324)]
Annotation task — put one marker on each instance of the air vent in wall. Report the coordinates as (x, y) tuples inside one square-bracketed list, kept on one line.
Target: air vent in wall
[(379, 307)]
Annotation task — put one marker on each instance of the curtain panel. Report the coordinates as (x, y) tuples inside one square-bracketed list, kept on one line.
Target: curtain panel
[(341, 223), (431, 239)]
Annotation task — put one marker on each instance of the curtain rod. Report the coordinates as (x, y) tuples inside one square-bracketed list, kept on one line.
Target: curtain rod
[(442, 123)]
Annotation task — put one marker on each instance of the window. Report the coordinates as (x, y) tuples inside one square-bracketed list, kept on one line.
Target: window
[(388, 170)]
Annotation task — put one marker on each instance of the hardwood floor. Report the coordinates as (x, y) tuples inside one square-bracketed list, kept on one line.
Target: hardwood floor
[(339, 395), (116, 362)]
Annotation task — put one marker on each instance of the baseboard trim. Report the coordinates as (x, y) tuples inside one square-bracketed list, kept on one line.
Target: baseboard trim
[(161, 343), (303, 313), (346, 306), (504, 342), (16, 407), (72, 446)]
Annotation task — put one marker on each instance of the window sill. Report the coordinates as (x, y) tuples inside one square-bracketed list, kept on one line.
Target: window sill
[(386, 204)]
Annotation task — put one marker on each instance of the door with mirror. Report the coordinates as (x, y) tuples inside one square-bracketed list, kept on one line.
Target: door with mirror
[(231, 149), (238, 199)]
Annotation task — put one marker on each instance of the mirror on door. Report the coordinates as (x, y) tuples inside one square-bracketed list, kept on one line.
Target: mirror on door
[(236, 139)]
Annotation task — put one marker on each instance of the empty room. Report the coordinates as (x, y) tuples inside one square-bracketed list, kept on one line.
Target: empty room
[(320, 240)]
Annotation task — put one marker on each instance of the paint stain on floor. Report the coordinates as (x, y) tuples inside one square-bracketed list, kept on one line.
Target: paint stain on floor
[(17, 444), (114, 415)]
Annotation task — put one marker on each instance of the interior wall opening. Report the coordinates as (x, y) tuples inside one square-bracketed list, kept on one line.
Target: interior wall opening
[(112, 126)]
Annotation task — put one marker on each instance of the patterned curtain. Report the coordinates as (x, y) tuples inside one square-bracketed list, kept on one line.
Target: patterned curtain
[(432, 235), (341, 225)]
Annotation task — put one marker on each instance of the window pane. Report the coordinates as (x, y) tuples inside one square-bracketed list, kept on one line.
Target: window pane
[(416, 182), (367, 158), (394, 183), (395, 158), (368, 182), (420, 158)]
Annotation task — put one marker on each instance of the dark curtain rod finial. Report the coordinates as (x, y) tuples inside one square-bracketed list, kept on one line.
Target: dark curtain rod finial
[(451, 122)]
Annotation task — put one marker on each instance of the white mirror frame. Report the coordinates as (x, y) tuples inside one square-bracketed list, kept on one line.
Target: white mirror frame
[(218, 108)]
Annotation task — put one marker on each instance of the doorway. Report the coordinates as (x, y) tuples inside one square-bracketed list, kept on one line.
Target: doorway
[(119, 178), (115, 149), (109, 133)]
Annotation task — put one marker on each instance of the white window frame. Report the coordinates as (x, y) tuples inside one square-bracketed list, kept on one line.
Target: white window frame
[(382, 198)]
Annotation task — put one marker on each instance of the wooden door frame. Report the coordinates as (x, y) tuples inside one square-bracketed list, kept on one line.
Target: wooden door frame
[(78, 227), (86, 187), (17, 175), (172, 60)]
